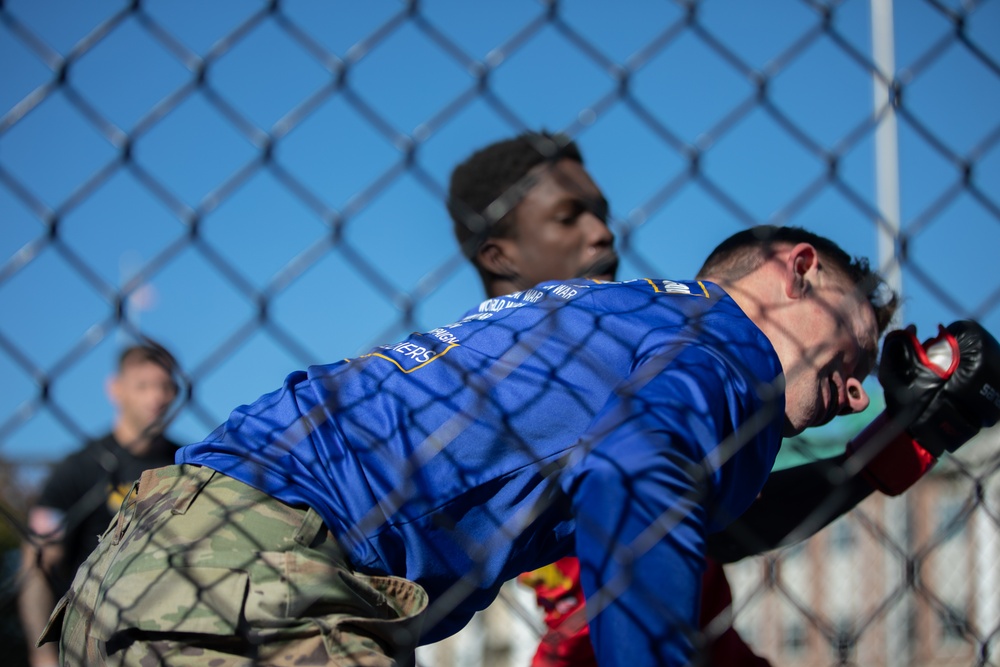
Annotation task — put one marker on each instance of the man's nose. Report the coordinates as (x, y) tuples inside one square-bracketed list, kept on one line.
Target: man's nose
[(598, 231)]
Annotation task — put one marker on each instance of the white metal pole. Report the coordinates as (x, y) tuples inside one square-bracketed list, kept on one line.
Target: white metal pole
[(886, 143), (898, 651)]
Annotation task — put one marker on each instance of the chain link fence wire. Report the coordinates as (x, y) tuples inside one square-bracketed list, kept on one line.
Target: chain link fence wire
[(261, 186)]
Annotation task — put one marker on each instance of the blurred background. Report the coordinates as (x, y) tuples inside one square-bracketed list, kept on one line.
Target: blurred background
[(260, 186)]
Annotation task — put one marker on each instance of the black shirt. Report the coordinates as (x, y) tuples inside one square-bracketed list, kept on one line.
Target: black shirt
[(88, 487)]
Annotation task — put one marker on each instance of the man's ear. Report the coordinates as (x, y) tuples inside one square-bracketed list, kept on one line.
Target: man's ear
[(801, 267), (496, 257), (112, 387)]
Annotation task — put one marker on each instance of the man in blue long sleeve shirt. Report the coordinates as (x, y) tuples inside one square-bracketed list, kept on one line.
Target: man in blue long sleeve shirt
[(623, 421)]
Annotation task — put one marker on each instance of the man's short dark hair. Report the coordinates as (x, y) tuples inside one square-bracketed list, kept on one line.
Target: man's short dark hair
[(487, 186), (148, 351), (744, 252)]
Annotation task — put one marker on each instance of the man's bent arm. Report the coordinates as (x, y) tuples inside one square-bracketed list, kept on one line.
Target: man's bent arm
[(645, 495), (795, 503), (41, 556)]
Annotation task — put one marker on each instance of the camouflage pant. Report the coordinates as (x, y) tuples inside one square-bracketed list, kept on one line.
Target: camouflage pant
[(198, 568)]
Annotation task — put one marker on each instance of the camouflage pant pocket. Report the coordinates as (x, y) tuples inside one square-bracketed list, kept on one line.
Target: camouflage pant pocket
[(395, 619), (293, 593), (179, 599)]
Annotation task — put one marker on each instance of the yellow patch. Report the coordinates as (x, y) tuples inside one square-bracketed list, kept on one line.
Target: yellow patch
[(116, 496)]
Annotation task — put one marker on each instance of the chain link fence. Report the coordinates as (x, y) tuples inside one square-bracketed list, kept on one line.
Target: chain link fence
[(261, 186)]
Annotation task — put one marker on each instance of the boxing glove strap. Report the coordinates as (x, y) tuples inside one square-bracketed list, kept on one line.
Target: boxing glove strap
[(897, 464)]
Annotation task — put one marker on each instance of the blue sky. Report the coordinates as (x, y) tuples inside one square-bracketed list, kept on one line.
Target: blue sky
[(343, 231)]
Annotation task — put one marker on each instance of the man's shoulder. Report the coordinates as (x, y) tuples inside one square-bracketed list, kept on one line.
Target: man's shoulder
[(676, 294), (170, 444), (77, 472), (164, 448), (660, 303), (89, 453)]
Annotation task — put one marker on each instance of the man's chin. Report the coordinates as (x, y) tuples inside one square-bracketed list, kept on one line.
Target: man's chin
[(604, 268), (791, 430), (155, 427)]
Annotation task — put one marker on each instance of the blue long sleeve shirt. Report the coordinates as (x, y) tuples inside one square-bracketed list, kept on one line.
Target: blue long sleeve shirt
[(622, 422)]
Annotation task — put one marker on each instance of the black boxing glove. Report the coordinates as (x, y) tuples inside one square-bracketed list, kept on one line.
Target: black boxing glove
[(938, 395), (944, 391)]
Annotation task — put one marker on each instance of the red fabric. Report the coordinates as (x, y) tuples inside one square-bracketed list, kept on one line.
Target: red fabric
[(728, 649), (566, 642), (898, 464)]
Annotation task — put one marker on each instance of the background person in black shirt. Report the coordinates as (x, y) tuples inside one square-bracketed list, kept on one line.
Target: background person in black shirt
[(85, 489)]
